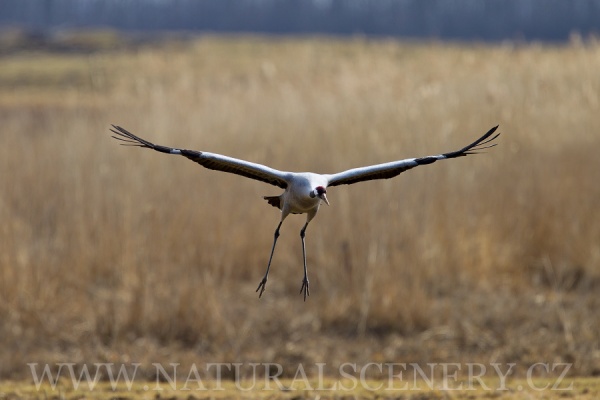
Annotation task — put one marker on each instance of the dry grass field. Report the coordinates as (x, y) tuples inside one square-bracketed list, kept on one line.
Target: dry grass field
[(120, 255), (579, 388)]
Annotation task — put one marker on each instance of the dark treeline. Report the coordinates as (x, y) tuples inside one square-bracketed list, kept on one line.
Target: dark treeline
[(443, 19)]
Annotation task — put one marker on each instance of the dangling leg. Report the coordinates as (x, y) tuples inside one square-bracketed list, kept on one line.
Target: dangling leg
[(304, 287), (263, 282)]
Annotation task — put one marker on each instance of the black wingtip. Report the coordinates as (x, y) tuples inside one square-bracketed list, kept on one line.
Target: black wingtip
[(478, 145), (129, 138)]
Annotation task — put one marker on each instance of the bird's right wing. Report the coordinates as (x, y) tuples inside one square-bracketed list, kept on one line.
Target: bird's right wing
[(394, 168), (213, 161)]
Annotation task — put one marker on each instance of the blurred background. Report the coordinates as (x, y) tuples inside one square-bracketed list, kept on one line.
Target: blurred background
[(548, 20), (116, 254)]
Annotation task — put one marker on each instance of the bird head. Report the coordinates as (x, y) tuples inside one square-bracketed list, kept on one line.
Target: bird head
[(321, 193)]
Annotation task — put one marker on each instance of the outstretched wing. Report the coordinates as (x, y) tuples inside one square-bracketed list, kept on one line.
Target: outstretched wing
[(208, 160), (394, 168)]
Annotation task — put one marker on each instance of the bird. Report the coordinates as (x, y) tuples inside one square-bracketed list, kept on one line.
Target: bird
[(304, 192)]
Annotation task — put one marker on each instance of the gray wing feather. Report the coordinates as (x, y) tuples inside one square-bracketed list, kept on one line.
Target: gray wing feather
[(212, 161), (394, 168)]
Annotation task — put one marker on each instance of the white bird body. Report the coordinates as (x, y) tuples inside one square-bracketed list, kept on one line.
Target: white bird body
[(297, 198), (304, 191)]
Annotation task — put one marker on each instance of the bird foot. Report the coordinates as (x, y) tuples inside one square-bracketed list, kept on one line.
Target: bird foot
[(304, 288), (261, 286)]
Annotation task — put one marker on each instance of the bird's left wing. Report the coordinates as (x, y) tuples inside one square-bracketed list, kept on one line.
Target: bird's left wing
[(394, 168), (213, 161)]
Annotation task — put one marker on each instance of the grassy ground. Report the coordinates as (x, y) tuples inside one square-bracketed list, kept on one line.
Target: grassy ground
[(114, 254), (580, 388)]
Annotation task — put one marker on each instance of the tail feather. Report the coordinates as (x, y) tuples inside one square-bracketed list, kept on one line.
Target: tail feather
[(275, 201)]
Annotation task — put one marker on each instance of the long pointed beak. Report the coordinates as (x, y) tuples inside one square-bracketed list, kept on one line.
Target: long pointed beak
[(324, 198)]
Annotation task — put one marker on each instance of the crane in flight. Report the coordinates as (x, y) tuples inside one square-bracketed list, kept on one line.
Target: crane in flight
[(303, 191)]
